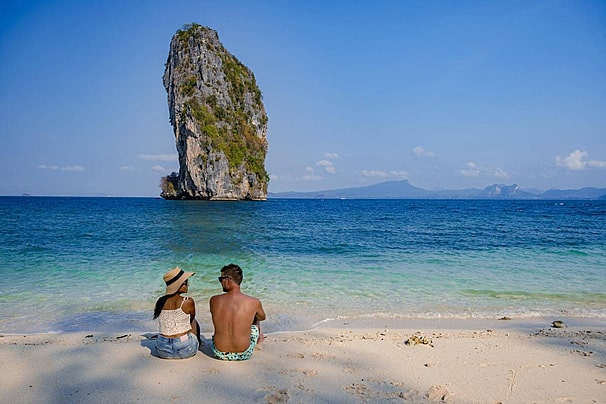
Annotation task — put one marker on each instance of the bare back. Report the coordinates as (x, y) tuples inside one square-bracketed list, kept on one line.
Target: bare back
[(233, 313)]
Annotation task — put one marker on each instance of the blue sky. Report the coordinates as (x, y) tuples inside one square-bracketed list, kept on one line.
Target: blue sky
[(448, 95)]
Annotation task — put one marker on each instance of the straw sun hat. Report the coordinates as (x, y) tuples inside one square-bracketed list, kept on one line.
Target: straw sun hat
[(174, 279)]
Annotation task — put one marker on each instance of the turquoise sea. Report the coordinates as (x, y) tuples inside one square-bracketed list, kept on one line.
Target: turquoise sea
[(96, 264)]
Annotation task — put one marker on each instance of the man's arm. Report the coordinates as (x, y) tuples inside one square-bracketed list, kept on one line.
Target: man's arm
[(259, 316), (260, 313)]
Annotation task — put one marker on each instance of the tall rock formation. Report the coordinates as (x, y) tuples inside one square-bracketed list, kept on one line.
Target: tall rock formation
[(218, 118)]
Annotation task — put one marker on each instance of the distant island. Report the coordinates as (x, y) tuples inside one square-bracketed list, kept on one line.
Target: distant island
[(404, 190)]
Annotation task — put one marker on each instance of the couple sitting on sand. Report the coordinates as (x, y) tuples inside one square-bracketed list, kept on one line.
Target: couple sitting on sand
[(235, 316)]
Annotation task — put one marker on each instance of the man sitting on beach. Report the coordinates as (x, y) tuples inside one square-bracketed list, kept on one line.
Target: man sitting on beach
[(236, 318)]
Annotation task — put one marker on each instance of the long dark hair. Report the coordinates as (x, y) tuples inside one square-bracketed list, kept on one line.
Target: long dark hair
[(160, 304)]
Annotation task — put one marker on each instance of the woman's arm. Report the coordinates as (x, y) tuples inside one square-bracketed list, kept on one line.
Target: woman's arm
[(189, 307)]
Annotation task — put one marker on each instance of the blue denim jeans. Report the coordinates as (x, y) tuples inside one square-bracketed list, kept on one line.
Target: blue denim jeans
[(176, 348)]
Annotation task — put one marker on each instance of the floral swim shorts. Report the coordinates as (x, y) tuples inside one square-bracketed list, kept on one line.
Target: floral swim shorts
[(239, 356)]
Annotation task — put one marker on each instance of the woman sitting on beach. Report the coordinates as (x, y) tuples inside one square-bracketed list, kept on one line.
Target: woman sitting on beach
[(179, 336)]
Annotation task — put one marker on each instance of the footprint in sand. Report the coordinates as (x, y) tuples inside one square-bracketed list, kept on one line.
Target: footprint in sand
[(438, 393), (358, 389), (278, 396), (320, 356), (306, 372)]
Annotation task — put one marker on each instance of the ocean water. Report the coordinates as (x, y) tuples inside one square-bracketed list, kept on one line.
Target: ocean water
[(96, 264)]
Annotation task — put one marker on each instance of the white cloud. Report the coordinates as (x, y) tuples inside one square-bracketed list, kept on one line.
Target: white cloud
[(160, 169), (399, 174), (312, 178), (470, 170), (575, 161), (288, 177), (374, 174), (331, 156), (127, 168), (327, 166), (309, 169), (499, 173), (158, 157), (75, 168), (420, 151), (596, 164)]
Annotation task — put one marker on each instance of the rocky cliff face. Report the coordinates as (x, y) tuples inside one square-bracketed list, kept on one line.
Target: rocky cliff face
[(218, 118)]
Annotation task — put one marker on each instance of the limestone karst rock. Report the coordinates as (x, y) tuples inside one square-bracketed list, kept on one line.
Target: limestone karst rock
[(218, 119)]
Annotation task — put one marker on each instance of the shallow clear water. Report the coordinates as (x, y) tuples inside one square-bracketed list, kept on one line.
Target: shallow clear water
[(93, 264)]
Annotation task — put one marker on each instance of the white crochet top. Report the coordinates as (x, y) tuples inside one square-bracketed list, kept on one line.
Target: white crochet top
[(173, 322)]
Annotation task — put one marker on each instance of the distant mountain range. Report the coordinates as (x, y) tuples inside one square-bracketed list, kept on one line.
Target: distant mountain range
[(403, 190)]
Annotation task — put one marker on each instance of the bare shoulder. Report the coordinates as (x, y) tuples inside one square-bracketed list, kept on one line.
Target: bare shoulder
[(253, 300), (216, 299), (189, 302)]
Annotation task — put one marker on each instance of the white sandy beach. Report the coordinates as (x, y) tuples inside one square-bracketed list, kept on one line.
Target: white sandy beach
[(466, 362)]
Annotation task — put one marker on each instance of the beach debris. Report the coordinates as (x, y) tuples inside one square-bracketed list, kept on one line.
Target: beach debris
[(123, 336), (558, 324), (375, 336), (505, 318), (88, 339), (418, 339)]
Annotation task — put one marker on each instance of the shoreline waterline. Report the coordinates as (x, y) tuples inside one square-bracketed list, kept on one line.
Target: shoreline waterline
[(524, 325), (129, 324)]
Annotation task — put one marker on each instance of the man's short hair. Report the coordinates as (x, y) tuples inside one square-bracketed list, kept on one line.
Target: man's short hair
[(233, 271)]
